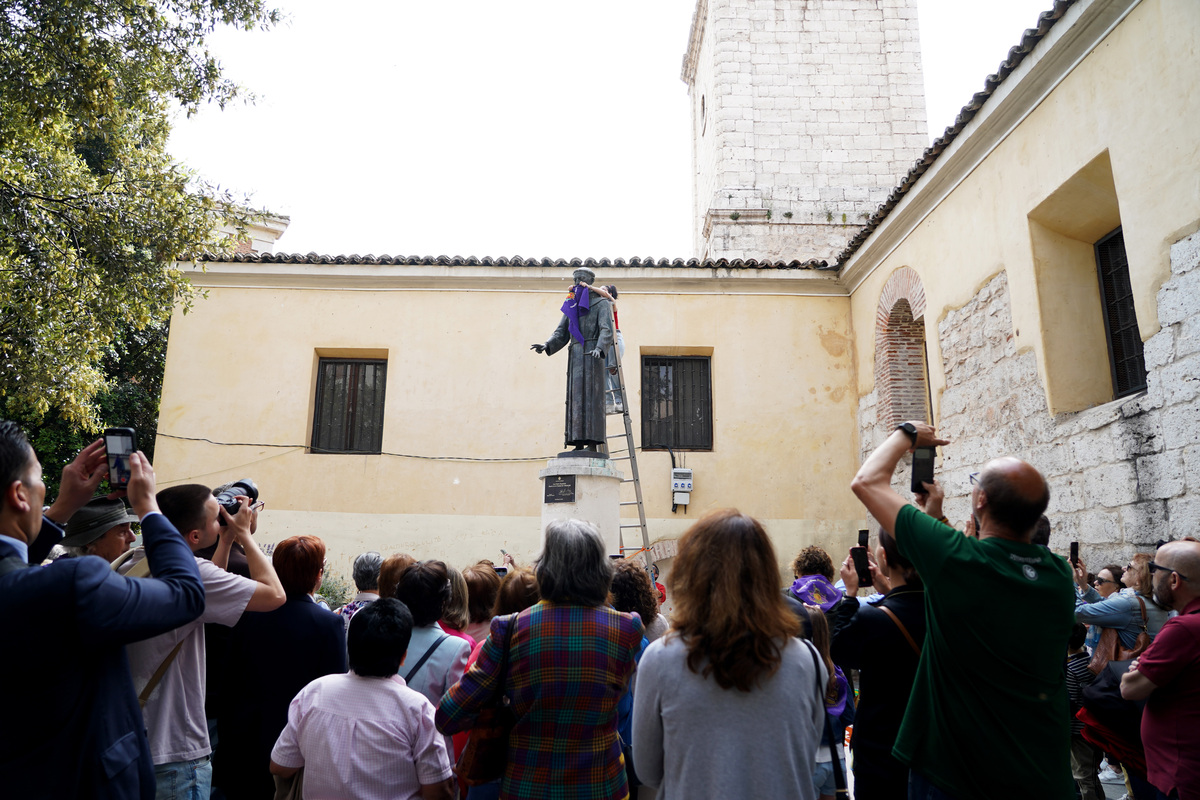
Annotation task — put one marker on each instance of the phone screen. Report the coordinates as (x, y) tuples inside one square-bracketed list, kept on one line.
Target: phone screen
[(501, 571), (1074, 553), (859, 554), (922, 468), (119, 444)]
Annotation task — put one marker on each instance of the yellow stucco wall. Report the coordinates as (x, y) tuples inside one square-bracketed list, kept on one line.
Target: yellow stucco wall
[(462, 382), (792, 352), (1134, 97)]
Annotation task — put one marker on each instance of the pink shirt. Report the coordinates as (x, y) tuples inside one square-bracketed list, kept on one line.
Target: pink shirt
[(396, 748)]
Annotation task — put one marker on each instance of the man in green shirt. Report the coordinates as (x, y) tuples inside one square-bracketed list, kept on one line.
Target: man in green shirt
[(989, 715)]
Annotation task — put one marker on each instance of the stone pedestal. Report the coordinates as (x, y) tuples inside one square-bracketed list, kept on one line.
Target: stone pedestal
[(575, 487)]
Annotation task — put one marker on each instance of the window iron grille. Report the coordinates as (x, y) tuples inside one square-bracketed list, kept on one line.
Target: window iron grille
[(676, 403), (1125, 356), (349, 410)]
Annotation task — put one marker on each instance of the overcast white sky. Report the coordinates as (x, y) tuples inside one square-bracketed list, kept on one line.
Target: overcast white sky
[(499, 127)]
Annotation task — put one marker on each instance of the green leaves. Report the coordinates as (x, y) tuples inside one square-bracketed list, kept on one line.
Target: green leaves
[(93, 212)]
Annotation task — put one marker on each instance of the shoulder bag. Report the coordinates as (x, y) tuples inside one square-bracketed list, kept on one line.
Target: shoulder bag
[(1112, 722), (290, 788), (1110, 649), (486, 755)]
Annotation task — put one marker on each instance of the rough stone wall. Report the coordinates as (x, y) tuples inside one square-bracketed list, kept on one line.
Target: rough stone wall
[(1122, 475), (779, 239), (817, 109)]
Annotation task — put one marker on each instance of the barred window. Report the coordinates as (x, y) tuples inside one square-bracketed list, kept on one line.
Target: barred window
[(349, 409), (1120, 320), (676, 403)]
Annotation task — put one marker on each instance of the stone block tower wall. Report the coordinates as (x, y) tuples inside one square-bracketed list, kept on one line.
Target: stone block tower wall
[(1122, 475), (805, 115)]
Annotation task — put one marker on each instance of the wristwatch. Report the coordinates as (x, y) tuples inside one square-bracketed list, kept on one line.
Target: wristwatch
[(910, 429)]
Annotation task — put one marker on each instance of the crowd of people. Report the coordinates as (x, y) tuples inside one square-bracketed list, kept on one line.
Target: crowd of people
[(980, 665)]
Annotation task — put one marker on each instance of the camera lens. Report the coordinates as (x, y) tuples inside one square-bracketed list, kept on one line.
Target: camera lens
[(227, 495)]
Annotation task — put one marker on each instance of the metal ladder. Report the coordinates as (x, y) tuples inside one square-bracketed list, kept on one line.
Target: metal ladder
[(628, 453)]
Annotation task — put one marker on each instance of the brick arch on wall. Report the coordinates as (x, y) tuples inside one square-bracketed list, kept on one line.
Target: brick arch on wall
[(900, 369)]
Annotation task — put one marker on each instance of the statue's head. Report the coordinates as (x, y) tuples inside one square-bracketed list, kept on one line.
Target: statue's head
[(584, 275)]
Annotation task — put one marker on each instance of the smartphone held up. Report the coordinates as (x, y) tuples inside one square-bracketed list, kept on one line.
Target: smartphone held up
[(119, 444), (859, 556), (922, 468)]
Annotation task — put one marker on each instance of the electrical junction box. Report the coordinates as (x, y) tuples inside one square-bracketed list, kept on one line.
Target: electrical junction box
[(681, 485)]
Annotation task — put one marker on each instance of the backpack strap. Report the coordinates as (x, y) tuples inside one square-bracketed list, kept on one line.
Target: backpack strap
[(158, 674), (908, 636), (1145, 621), (425, 657)]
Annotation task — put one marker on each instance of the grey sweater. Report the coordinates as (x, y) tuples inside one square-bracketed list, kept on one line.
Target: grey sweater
[(694, 740)]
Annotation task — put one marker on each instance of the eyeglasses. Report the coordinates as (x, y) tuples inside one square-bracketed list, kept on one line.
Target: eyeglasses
[(974, 478), (1160, 568)]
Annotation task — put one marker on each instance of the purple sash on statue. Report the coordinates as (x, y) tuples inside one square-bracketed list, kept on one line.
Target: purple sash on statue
[(577, 303)]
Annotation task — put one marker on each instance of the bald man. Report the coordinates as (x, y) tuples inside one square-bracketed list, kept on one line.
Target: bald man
[(989, 715), (1167, 676)]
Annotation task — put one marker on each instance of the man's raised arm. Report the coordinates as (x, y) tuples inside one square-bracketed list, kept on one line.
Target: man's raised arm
[(269, 594), (116, 608), (78, 484), (873, 483)]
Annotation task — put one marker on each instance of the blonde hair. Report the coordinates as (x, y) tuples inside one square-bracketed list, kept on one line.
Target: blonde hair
[(1143, 585), (456, 614)]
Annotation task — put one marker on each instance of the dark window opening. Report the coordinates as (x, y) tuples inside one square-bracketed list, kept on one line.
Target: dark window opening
[(1120, 320), (676, 403), (349, 408)]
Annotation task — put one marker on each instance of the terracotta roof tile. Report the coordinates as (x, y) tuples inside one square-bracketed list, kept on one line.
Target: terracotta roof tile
[(1016, 55), (515, 261)]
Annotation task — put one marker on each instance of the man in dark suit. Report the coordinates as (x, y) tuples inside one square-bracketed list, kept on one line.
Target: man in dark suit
[(70, 725)]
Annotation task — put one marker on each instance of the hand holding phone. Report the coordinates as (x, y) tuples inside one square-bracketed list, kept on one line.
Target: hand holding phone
[(922, 468), (119, 445), (859, 555)]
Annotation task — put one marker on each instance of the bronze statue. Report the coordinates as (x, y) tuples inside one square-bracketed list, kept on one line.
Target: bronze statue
[(587, 325)]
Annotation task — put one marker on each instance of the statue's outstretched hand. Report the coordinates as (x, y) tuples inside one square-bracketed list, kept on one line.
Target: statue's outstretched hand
[(541, 348), (597, 353)]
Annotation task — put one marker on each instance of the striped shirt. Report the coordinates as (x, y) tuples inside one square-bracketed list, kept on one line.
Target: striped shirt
[(569, 666), (366, 738), (1078, 676)]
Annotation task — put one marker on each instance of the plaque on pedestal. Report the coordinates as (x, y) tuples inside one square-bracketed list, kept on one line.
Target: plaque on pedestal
[(560, 489), (587, 489)]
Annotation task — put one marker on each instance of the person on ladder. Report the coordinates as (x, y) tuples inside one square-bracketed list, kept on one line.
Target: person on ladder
[(614, 402)]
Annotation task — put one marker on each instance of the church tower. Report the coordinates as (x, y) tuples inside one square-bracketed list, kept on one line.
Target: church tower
[(805, 115)]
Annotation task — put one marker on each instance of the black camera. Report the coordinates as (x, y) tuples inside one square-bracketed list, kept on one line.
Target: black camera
[(227, 495)]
